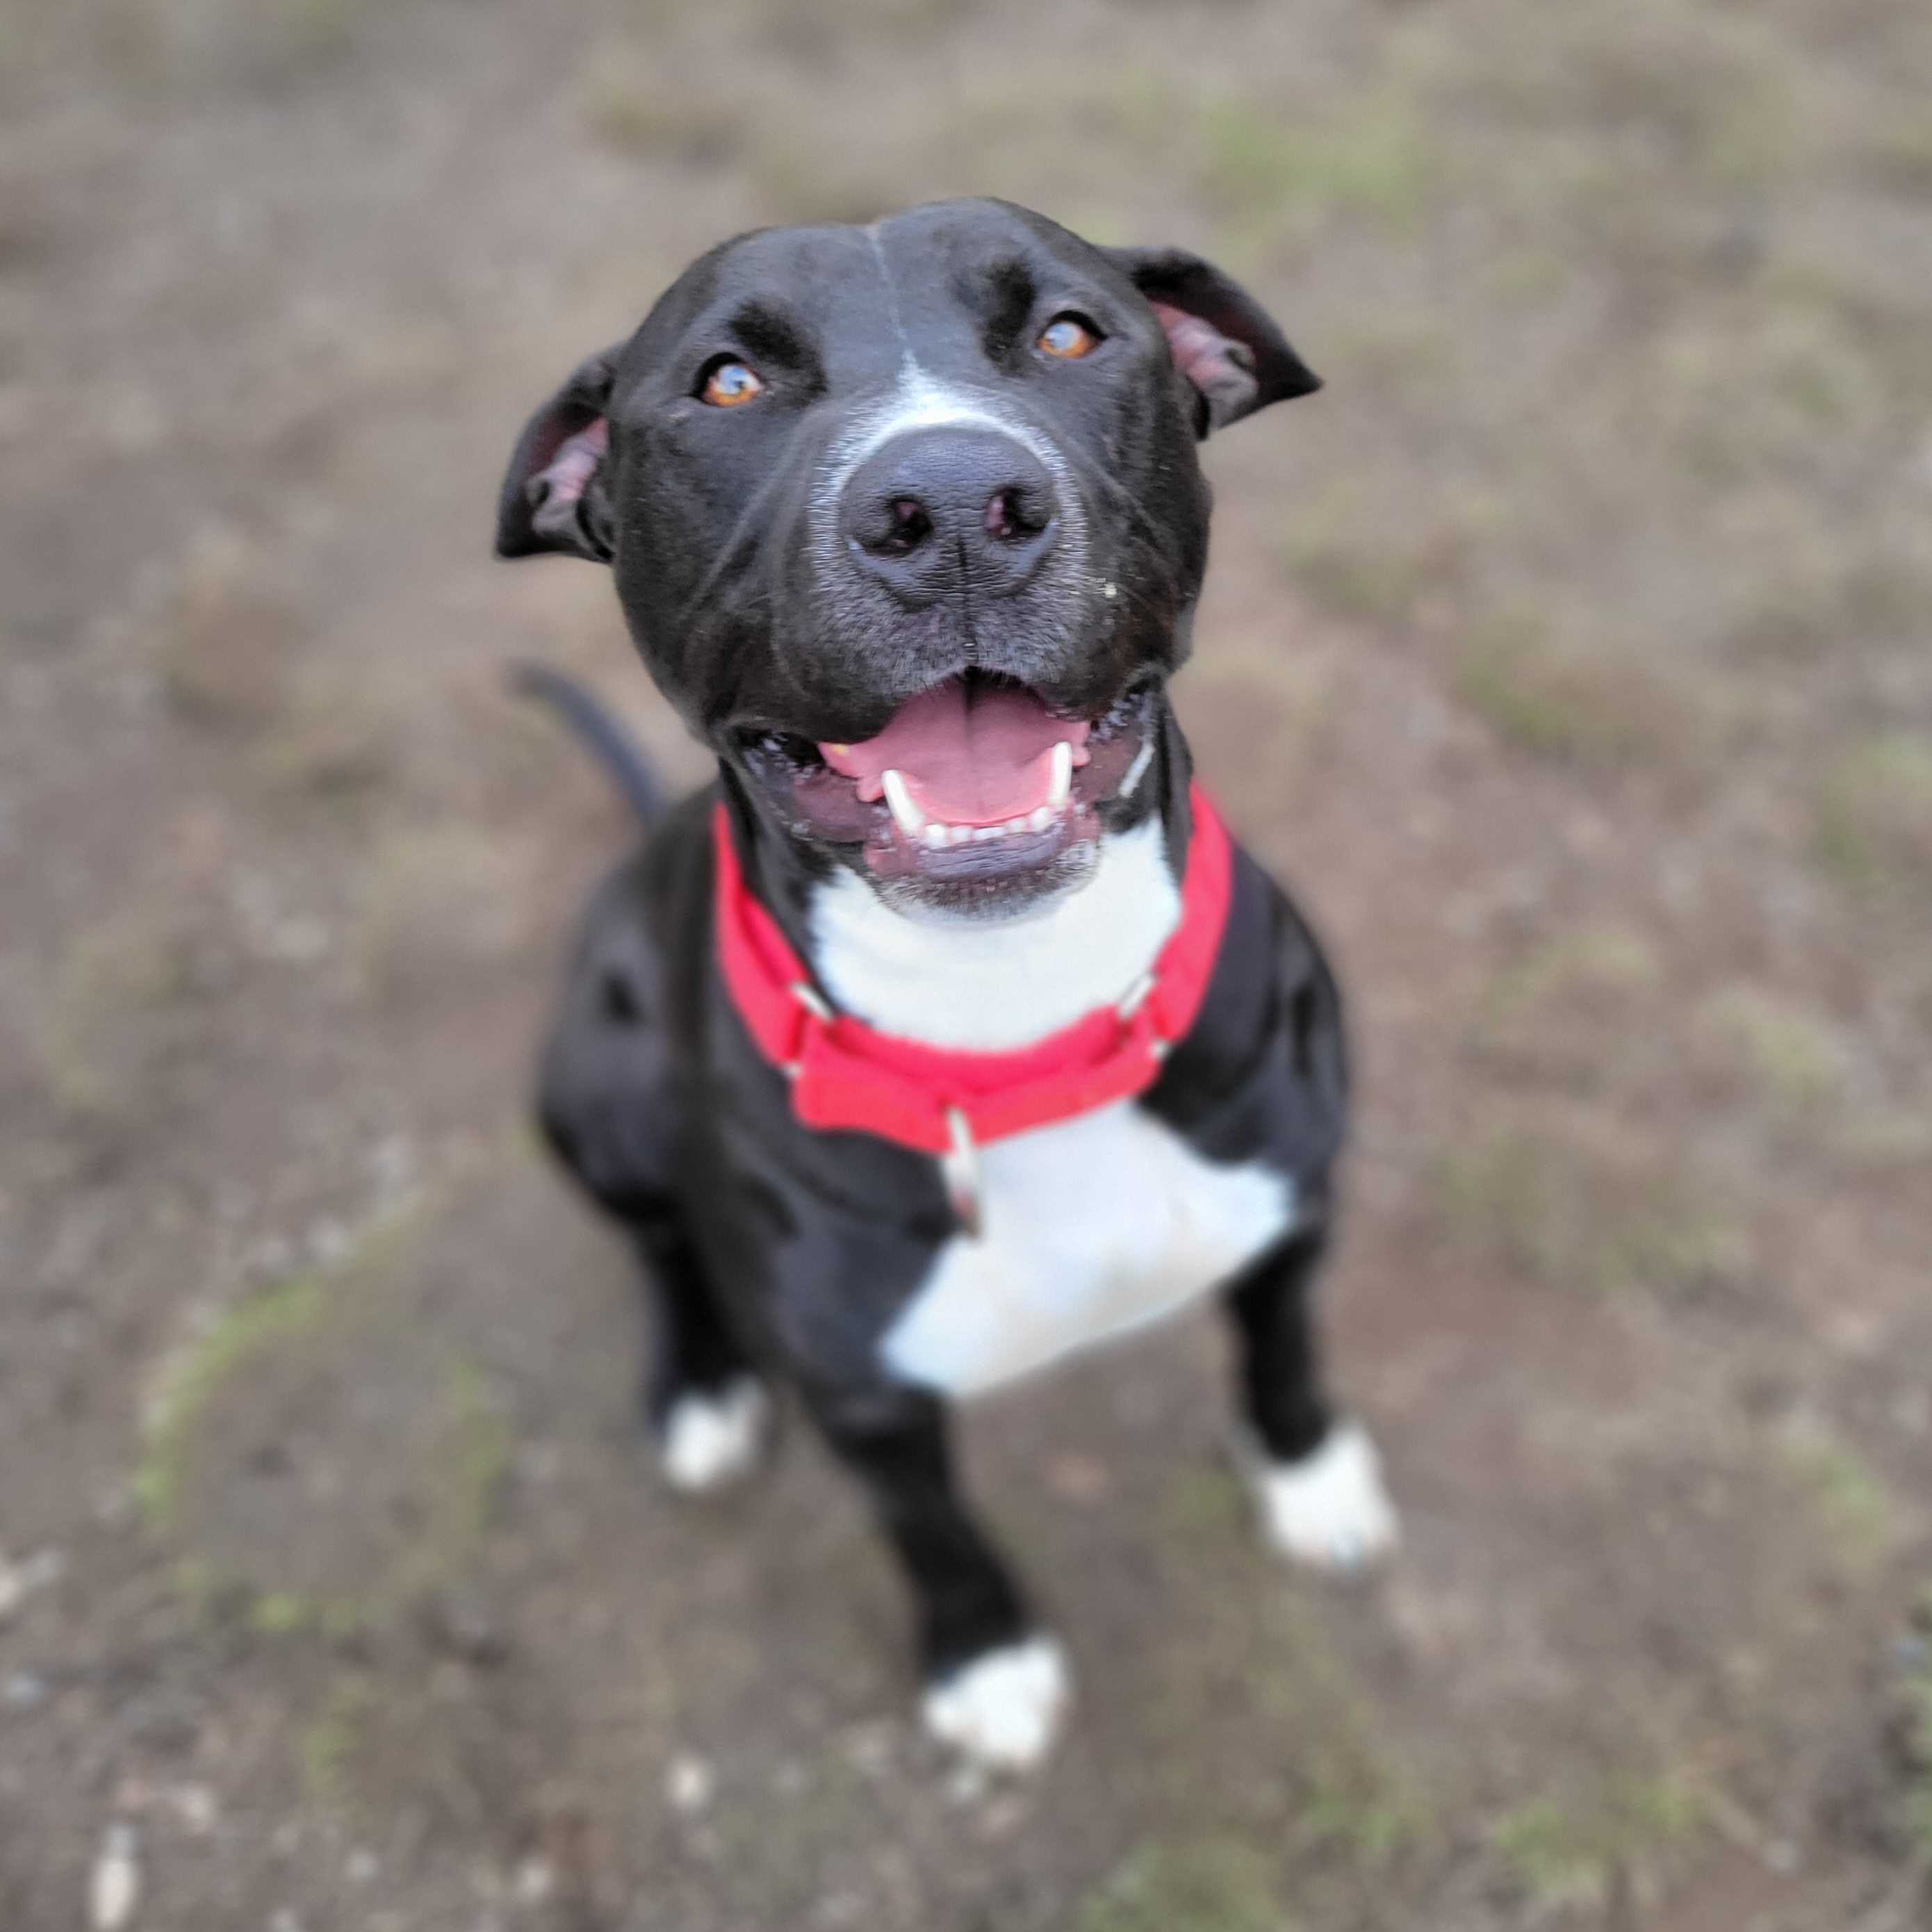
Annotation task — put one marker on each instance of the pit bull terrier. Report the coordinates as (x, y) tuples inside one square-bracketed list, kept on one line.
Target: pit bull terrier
[(948, 1032)]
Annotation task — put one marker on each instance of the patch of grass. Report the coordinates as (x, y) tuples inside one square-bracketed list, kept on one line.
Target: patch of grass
[(1375, 162), (1562, 1010), (1896, 154), (281, 1387), (1915, 1701), (1872, 816), (1359, 1803), (1875, 595), (1578, 1854), (1790, 1056), (1563, 703), (1570, 1220), (122, 1008), (293, 1308), (327, 1746), (1853, 1501), (1211, 1884)]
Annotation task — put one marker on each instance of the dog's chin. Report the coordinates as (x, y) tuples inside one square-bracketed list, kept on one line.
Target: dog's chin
[(955, 850)]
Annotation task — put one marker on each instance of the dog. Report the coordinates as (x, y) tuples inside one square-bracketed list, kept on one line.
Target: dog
[(948, 1032)]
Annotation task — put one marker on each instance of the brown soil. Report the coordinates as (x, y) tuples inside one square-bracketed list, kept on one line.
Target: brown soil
[(1568, 655)]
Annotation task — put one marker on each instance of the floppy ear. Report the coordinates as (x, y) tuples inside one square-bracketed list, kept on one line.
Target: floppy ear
[(556, 497), (1224, 342)]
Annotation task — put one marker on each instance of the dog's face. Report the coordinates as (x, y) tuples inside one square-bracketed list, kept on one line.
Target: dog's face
[(908, 522)]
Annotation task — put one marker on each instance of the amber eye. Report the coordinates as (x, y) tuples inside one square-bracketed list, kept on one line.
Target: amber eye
[(1068, 338), (728, 383)]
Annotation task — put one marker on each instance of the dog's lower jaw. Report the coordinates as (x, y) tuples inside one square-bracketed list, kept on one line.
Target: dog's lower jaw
[(1003, 1710), (1330, 1511)]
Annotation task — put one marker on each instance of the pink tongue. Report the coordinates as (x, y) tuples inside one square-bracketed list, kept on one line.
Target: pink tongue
[(970, 756)]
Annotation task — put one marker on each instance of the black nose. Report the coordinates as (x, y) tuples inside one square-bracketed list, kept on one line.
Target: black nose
[(936, 509)]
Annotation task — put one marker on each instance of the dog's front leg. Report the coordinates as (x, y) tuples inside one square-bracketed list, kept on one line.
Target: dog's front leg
[(996, 1687), (1317, 1481)]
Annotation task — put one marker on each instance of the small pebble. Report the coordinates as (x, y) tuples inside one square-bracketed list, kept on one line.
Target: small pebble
[(114, 1888), (18, 1581), (689, 1784), (195, 1806)]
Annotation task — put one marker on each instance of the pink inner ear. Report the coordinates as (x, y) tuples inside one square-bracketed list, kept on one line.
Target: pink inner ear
[(565, 477), (1204, 356)]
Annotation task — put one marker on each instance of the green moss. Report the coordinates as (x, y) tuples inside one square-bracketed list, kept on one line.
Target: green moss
[(293, 1308), (1213, 1885), (331, 1566), (1575, 1854)]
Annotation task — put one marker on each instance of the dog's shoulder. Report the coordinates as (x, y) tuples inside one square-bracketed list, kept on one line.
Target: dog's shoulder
[(1265, 1063)]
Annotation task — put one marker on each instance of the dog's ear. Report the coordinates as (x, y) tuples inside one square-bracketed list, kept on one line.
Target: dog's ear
[(556, 496), (1224, 342)]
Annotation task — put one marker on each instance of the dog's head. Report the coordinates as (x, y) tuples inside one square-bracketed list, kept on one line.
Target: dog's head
[(908, 522)]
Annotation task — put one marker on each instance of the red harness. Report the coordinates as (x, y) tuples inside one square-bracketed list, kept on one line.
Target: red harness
[(845, 1074)]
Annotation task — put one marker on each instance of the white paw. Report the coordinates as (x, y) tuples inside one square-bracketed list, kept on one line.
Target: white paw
[(1330, 1509), (711, 1440), (1003, 1710)]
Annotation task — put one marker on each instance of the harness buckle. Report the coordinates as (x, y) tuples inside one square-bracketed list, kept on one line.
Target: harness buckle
[(1134, 998), (811, 1000), (959, 1167)]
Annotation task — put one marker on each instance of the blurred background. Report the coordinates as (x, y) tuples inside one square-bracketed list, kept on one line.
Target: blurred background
[(1569, 656)]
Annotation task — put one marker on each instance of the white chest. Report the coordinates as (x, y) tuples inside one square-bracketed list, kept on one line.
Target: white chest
[(1091, 1228)]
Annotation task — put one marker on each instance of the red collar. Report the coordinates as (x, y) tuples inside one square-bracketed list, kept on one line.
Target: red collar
[(845, 1074)]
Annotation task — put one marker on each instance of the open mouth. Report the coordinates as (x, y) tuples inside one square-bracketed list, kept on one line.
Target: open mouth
[(975, 783)]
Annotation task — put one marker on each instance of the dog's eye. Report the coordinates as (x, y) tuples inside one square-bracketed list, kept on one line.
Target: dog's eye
[(1069, 337), (728, 382)]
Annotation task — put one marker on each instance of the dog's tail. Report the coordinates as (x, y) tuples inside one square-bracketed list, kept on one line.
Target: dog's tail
[(593, 722)]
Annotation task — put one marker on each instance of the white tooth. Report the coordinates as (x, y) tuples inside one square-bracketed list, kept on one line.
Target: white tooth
[(1062, 782), (1042, 817), (910, 818), (935, 834), (984, 834), (958, 834), (1012, 826)]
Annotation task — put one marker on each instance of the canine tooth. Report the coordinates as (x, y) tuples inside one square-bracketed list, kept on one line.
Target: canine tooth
[(935, 835), (1041, 818), (910, 818), (1062, 780)]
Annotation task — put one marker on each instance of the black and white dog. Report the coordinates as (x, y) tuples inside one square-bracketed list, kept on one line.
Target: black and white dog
[(947, 1033)]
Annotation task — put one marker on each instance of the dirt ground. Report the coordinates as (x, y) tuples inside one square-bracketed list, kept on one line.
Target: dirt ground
[(1569, 654)]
